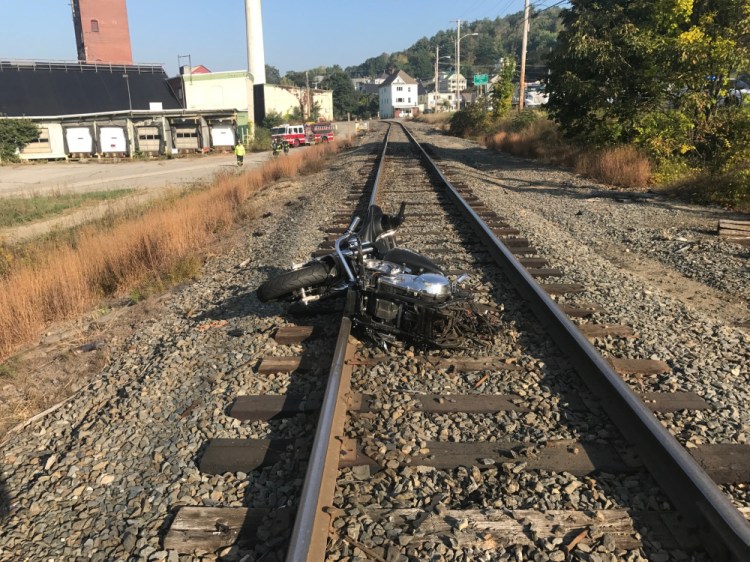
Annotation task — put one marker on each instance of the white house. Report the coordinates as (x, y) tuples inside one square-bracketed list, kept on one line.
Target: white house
[(435, 102), (398, 96), (452, 83)]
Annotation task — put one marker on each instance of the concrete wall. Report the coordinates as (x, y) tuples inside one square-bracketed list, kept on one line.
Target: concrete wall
[(284, 99), (218, 90)]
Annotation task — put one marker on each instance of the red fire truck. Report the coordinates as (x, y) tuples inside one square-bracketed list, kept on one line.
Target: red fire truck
[(320, 132), (295, 135)]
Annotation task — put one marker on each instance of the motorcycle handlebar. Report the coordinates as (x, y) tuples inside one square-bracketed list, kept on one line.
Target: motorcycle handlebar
[(353, 226)]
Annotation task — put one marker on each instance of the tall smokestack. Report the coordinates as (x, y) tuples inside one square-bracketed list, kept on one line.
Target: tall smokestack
[(256, 59)]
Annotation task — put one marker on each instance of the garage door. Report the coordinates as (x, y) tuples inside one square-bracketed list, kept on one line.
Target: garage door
[(112, 140), (79, 140), (222, 135), (149, 139), (186, 138)]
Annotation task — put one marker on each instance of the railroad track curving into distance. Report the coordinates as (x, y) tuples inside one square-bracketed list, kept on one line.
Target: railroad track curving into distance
[(537, 447)]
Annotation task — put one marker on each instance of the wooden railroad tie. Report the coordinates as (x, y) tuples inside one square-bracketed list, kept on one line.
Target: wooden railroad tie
[(291, 364), (210, 529), (734, 229), (593, 331), (580, 310), (639, 366), (289, 335), (269, 407)]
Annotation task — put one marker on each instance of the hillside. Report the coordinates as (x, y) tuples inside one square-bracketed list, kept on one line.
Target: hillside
[(498, 38)]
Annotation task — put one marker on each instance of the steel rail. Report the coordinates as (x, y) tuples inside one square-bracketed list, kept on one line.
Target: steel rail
[(381, 159), (724, 531), (310, 533)]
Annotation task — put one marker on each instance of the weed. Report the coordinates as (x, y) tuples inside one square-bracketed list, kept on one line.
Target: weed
[(138, 253), (19, 210)]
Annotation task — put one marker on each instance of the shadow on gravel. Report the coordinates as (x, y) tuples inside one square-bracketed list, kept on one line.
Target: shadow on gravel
[(4, 501), (243, 302), (272, 469)]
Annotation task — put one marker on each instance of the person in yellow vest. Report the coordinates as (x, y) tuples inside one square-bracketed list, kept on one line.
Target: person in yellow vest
[(239, 151)]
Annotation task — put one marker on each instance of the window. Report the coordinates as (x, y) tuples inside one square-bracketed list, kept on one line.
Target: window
[(399, 88), (95, 26), (399, 100), (43, 136)]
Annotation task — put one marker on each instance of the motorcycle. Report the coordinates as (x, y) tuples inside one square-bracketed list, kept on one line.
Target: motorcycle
[(398, 294)]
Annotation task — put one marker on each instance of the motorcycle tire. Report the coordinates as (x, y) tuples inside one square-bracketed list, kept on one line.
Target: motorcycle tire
[(285, 284)]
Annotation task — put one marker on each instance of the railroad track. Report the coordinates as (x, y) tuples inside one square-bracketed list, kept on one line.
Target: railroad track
[(519, 451)]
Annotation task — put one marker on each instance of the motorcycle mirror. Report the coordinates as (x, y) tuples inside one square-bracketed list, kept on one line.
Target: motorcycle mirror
[(401, 210)]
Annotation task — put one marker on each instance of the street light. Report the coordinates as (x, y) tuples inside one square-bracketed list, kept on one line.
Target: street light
[(458, 64), (127, 82)]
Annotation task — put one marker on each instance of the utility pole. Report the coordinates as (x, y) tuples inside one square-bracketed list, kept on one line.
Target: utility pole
[(309, 107), (458, 63), (437, 58), (522, 85)]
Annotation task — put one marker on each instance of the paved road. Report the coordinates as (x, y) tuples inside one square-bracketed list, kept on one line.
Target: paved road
[(149, 178), (46, 177)]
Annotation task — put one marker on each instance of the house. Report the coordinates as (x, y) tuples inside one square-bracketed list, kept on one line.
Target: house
[(398, 96), (435, 102), (452, 83)]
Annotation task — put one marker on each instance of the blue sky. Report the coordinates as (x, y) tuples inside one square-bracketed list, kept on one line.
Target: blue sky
[(299, 34)]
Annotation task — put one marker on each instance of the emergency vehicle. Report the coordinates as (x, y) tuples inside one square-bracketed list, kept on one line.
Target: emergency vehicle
[(295, 135), (320, 132)]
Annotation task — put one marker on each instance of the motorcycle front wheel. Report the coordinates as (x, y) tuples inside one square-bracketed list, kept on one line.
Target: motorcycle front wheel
[(285, 284)]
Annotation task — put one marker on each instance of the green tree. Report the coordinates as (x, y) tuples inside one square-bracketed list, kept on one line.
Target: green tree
[(656, 73), (273, 119), (344, 96), (502, 91), (14, 135), (273, 76)]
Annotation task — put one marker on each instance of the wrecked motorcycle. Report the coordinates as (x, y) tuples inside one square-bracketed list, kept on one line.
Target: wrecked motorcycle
[(398, 294)]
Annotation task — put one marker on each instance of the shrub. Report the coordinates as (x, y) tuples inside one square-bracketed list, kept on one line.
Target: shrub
[(14, 135), (472, 121), (262, 140)]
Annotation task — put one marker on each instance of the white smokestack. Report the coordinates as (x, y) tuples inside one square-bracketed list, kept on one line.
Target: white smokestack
[(256, 59)]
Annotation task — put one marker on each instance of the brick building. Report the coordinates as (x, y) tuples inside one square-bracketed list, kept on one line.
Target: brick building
[(102, 33)]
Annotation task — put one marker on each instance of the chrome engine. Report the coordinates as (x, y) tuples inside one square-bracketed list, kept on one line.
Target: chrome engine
[(393, 286)]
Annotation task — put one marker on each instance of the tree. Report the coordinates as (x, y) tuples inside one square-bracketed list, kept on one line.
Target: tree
[(502, 91), (15, 134), (273, 76), (655, 73), (344, 96)]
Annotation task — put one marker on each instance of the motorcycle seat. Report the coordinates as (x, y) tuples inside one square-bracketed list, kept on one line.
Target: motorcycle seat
[(417, 263)]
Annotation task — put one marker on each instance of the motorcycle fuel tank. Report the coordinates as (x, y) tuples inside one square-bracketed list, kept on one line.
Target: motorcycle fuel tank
[(430, 285)]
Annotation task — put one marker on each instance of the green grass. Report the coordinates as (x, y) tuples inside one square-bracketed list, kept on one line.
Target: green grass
[(20, 210)]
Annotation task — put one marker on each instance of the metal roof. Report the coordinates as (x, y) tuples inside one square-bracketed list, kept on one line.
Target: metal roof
[(52, 88)]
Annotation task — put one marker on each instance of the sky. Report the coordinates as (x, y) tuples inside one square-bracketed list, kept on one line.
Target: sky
[(298, 34)]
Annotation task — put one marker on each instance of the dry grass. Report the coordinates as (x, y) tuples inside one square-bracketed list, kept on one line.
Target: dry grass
[(61, 280), (622, 165), (438, 119)]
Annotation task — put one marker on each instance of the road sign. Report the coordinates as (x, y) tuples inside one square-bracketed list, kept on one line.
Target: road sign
[(480, 79)]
